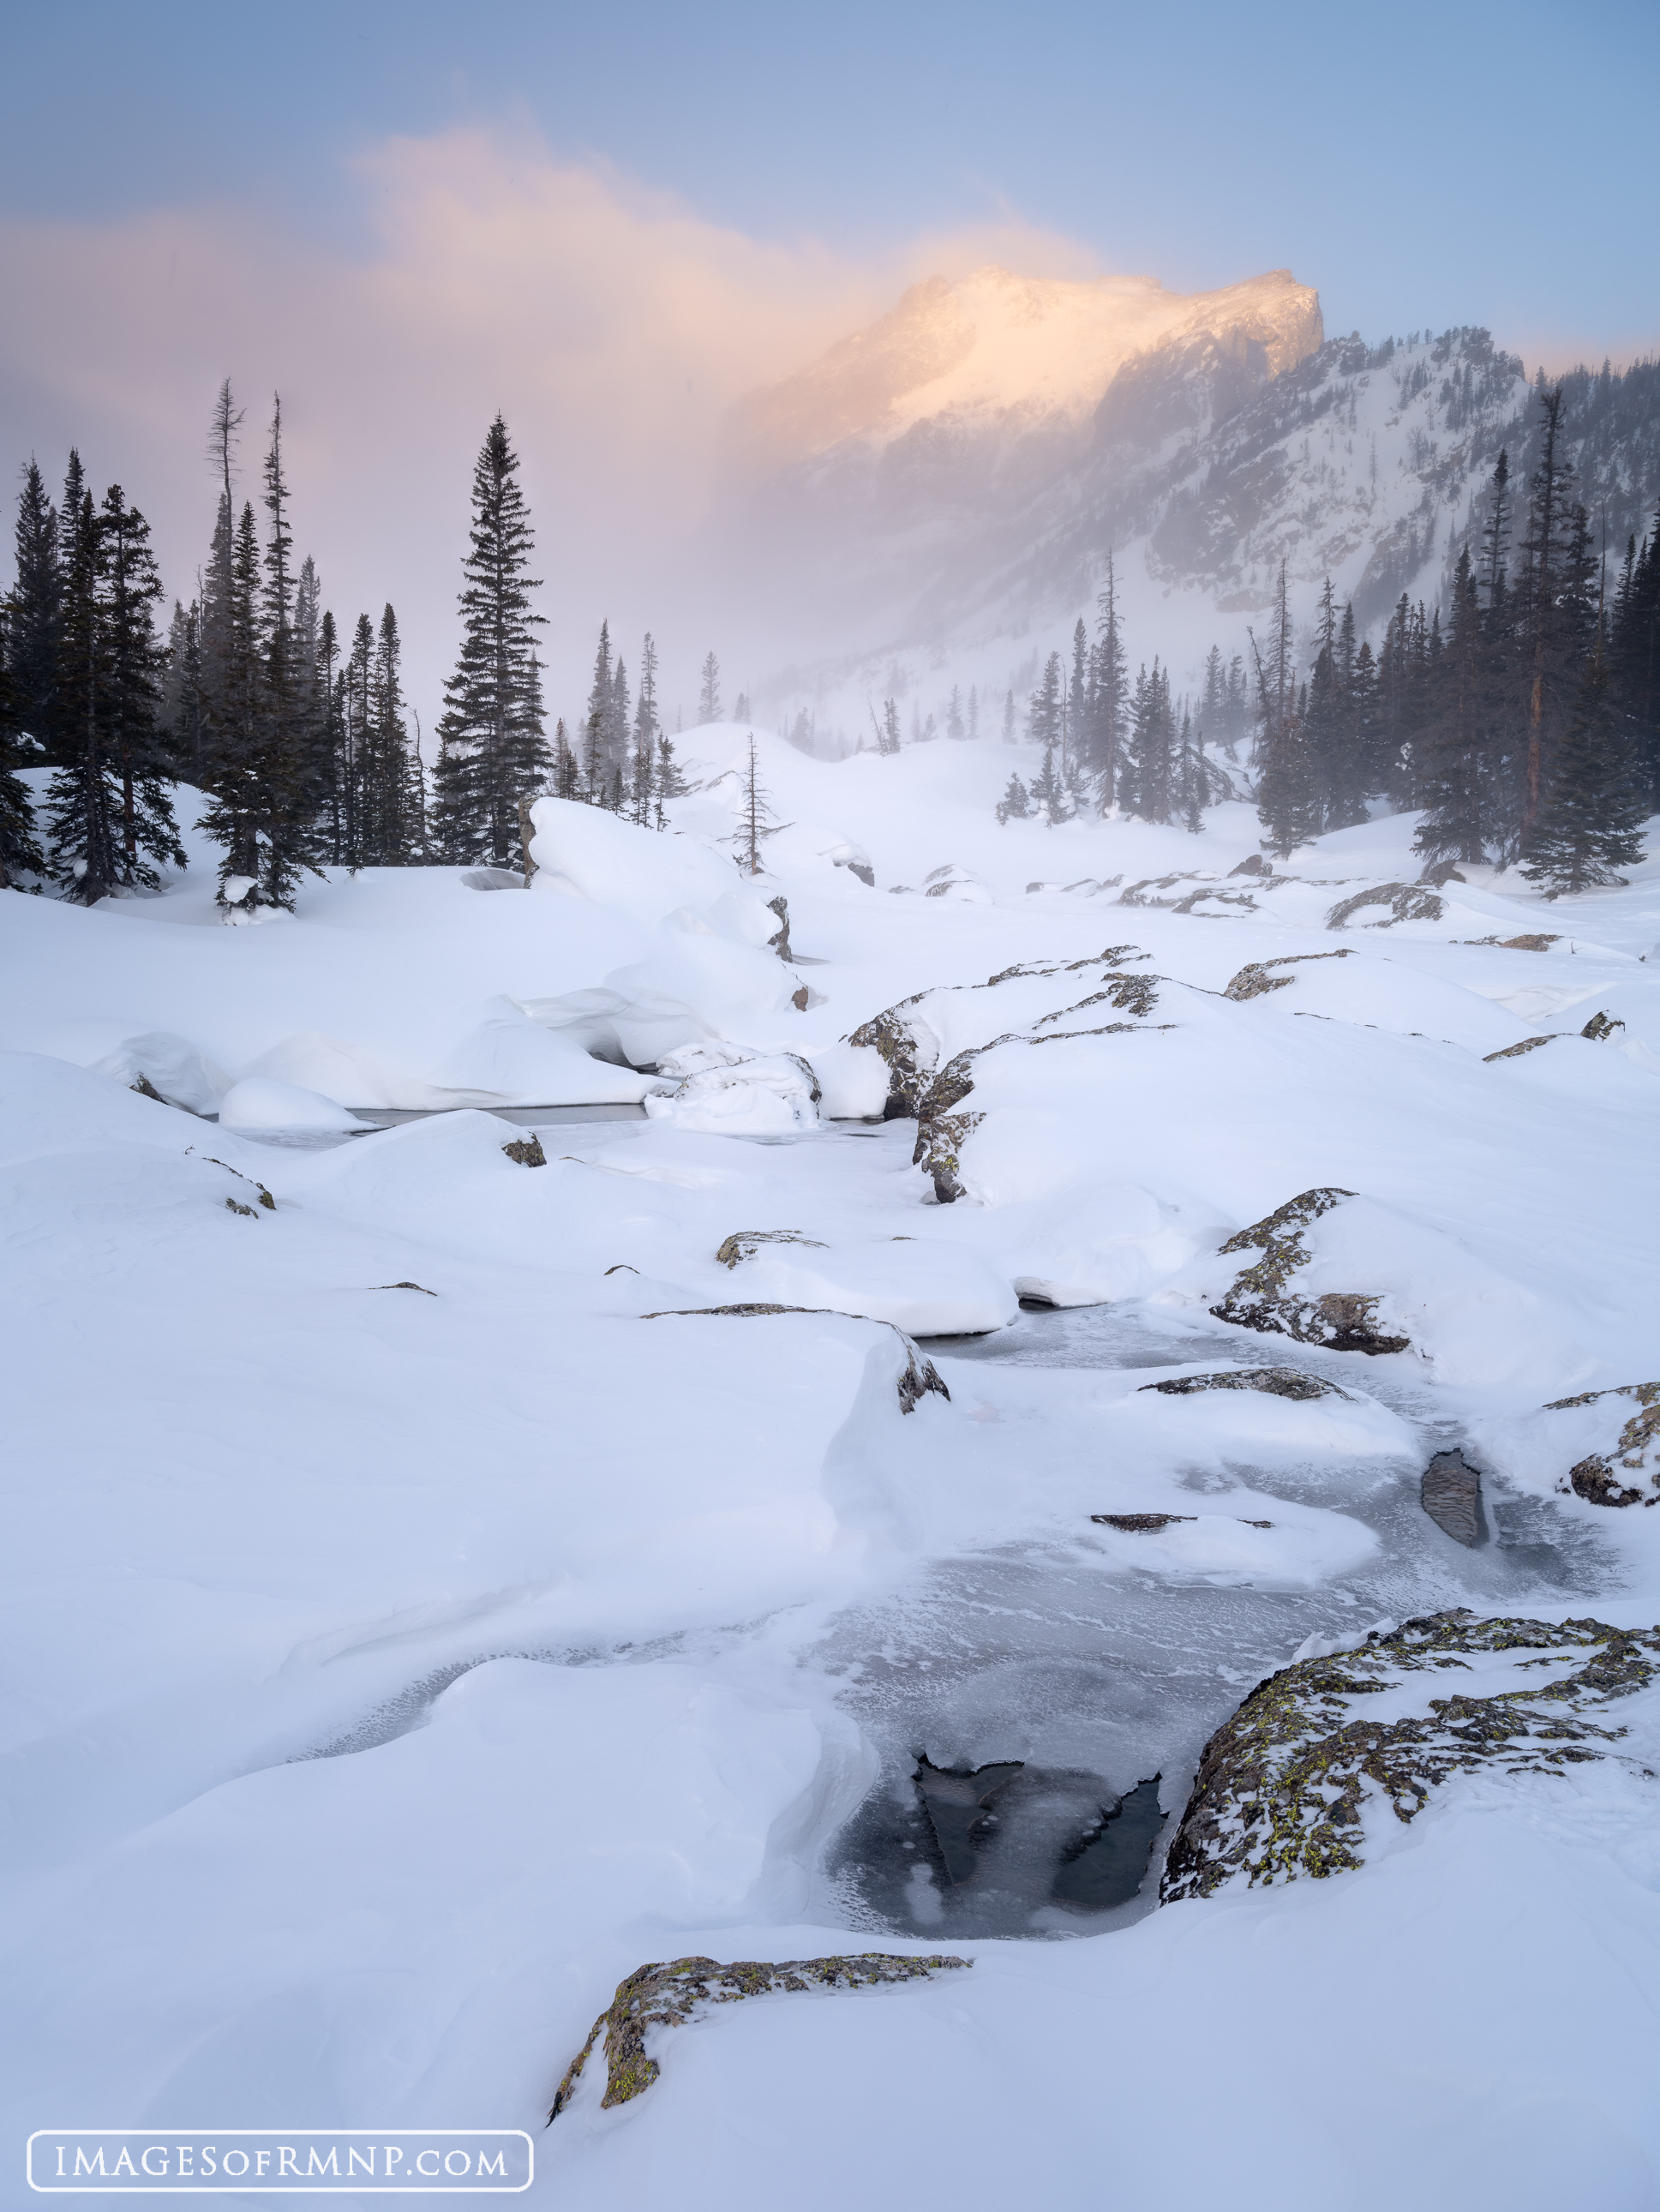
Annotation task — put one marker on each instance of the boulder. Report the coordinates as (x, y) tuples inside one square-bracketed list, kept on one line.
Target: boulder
[(1406, 902), (526, 1152), (667, 1993), (1276, 1382), (1284, 1789), (1451, 1493), (1262, 1297), (1254, 980)]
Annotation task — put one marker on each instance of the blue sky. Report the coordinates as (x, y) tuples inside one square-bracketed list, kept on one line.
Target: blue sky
[(1419, 164), (612, 221)]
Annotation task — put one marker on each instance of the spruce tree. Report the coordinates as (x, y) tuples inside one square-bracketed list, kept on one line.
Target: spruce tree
[(671, 783), (20, 849), (1015, 805), (110, 815), (1043, 709), (1287, 799), (566, 777), (1456, 771), (888, 737), (1635, 660), (648, 729), (493, 750), (35, 614), (708, 696), (1010, 734), (1110, 691), (1589, 825), (755, 819), (1544, 551)]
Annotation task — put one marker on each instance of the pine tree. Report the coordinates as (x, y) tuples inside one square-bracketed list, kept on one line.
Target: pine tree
[(974, 710), (1589, 825), (708, 696), (35, 614), (111, 816), (333, 776), (1635, 660), (567, 777), (493, 751), (20, 849), (182, 718), (1009, 732), (755, 820), (647, 730), (1455, 775), (1110, 691), (954, 724), (593, 758), (670, 783), (1043, 709), (386, 802), (1547, 517), (1287, 801), (617, 718), (218, 587), (1015, 805)]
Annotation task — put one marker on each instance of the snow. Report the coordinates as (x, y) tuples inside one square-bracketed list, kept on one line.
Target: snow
[(421, 1610), (258, 1101)]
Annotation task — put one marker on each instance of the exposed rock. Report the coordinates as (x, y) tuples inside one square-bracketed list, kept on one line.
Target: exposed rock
[(421, 1287), (1528, 1044), (1342, 1320), (527, 1151), (1532, 941), (1450, 1494), (1142, 894), (1131, 994), (1254, 979), (1440, 873), (1282, 1786), (1278, 1382), (920, 1376), (911, 1050), (745, 1243), (862, 869), (1406, 902), (146, 1088), (1252, 865), (667, 1993), (234, 1206), (1636, 1449), (1601, 1027), (1149, 1524), (779, 940), (265, 1197), (799, 998), (1595, 1481)]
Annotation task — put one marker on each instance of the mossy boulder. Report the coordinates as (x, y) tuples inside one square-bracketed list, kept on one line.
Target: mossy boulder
[(1283, 1786), (667, 1993)]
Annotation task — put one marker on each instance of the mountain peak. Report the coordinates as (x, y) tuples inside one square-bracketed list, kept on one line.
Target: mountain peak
[(992, 349)]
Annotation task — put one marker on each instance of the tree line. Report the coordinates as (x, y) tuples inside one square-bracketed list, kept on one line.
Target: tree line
[(298, 735), (1524, 728)]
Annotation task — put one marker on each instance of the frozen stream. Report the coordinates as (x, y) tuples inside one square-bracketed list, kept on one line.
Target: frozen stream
[(1098, 1681)]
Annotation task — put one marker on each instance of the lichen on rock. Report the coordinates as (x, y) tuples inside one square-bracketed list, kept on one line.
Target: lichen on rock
[(667, 1993), (1254, 981), (745, 1243), (1282, 1786), (1261, 1297), (1515, 1051), (1406, 902), (526, 1152), (1277, 1382), (1636, 1449)]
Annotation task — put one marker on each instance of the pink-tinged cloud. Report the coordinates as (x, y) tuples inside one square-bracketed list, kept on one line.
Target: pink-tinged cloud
[(612, 324)]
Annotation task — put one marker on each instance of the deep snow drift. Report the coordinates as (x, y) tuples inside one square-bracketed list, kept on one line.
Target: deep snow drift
[(440, 1584)]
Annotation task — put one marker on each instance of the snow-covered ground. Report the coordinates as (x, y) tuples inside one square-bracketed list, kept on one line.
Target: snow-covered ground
[(422, 1611)]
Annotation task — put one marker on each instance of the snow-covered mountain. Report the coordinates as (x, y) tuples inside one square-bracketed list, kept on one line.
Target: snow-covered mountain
[(948, 484)]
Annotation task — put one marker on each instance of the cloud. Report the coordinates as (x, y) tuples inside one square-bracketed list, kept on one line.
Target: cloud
[(612, 324)]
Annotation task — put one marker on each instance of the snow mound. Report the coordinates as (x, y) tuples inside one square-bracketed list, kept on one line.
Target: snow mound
[(732, 1090), (259, 1101), (925, 1286)]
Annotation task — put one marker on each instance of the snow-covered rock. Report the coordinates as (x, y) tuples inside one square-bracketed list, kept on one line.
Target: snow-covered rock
[(259, 1101)]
